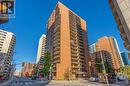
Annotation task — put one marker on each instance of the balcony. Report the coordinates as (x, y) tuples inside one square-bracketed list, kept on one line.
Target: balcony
[(81, 41), (56, 48), (74, 51), (54, 70), (57, 36), (74, 44), (75, 66), (111, 4), (56, 61), (73, 35), (56, 44), (82, 60), (56, 53), (81, 48), (74, 59), (73, 32), (73, 38), (127, 45), (123, 36), (81, 57), (56, 32), (75, 55), (119, 22), (121, 29), (81, 54), (74, 62), (54, 66), (56, 57)]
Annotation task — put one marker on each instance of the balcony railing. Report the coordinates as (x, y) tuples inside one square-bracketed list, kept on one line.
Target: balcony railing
[(127, 45), (56, 53), (56, 48), (56, 57), (73, 62), (56, 61), (123, 36)]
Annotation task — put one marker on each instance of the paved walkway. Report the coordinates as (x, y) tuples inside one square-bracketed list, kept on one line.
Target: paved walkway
[(74, 83), (79, 83)]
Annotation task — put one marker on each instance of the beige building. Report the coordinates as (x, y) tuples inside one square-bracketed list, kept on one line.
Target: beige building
[(121, 12), (41, 48), (27, 69), (7, 44), (67, 43), (40, 53)]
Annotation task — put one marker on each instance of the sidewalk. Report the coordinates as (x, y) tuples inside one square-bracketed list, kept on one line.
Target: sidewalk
[(74, 83)]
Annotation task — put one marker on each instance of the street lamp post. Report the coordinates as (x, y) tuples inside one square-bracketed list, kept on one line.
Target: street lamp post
[(103, 66)]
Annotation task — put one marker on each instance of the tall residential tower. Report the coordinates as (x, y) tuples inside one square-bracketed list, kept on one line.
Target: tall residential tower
[(41, 48), (41, 52), (67, 43), (7, 44), (121, 12)]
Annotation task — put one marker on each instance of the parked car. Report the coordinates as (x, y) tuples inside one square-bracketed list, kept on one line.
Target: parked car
[(94, 79), (121, 77)]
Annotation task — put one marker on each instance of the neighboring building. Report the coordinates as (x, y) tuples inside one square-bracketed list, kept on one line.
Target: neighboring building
[(67, 43), (92, 48), (27, 69), (7, 44), (40, 53), (126, 58), (121, 12), (108, 47), (41, 48), (3, 56)]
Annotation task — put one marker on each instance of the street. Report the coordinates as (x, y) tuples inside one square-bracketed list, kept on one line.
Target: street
[(22, 81)]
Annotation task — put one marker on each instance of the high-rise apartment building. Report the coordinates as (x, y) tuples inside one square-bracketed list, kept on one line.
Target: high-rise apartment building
[(7, 44), (67, 43), (27, 69), (40, 53), (41, 48), (108, 47), (126, 58), (121, 12)]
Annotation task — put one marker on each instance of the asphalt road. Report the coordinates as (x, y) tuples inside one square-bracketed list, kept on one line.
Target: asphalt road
[(22, 81)]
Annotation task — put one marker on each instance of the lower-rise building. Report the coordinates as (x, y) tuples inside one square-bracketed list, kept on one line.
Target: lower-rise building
[(107, 48), (126, 58), (28, 69)]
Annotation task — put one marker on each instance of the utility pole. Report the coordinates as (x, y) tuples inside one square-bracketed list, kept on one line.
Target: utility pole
[(104, 69)]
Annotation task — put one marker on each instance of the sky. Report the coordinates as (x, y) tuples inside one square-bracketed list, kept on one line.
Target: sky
[(31, 17)]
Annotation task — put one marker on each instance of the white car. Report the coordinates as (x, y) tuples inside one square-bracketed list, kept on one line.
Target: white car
[(93, 79)]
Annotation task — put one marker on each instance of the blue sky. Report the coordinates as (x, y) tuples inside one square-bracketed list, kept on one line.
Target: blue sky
[(31, 17)]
